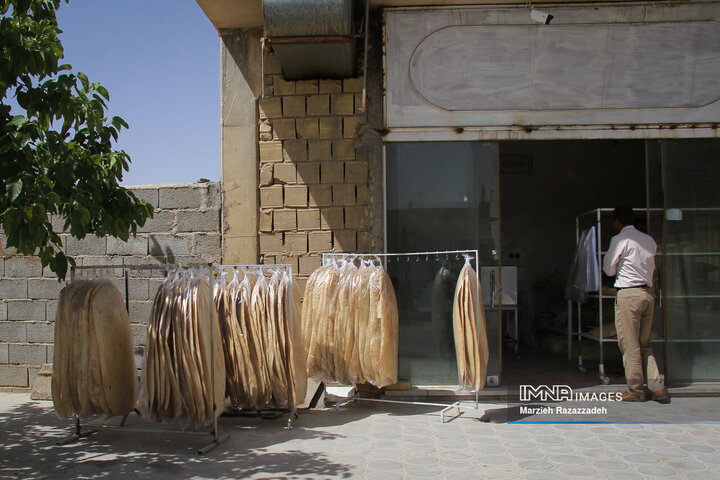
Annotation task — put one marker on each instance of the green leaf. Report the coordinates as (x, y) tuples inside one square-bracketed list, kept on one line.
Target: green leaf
[(14, 189)]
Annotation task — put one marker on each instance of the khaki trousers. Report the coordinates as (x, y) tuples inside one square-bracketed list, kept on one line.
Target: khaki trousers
[(633, 320)]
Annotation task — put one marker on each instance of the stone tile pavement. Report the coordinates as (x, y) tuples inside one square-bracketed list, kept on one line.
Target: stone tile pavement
[(372, 441)]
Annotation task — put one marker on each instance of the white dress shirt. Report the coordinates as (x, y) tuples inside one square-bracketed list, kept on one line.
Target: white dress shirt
[(631, 256)]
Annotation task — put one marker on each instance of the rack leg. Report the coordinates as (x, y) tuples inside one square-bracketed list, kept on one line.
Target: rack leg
[(77, 435), (217, 440)]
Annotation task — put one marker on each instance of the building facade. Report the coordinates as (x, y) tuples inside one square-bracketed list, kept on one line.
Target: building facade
[(494, 127)]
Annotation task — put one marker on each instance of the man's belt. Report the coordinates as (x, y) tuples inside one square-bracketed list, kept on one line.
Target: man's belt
[(634, 286)]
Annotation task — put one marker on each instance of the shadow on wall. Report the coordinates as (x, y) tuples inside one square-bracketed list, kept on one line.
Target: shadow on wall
[(156, 250)]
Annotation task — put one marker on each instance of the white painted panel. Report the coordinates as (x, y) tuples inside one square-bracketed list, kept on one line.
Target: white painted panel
[(480, 67)]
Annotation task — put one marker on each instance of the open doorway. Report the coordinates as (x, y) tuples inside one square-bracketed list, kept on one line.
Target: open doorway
[(544, 185)]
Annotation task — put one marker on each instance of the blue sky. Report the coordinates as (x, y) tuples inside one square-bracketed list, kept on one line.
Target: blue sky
[(159, 59)]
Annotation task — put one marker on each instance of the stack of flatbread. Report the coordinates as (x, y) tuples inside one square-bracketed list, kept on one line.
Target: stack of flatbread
[(262, 341), (93, 367), (350, 325), (471, 344), (183, 369)]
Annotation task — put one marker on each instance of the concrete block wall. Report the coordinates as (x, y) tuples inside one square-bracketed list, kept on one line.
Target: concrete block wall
[(185, 229), (314, 182)]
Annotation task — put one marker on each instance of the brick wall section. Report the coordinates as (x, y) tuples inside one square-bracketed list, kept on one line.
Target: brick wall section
[(185, 229), (314, 184)]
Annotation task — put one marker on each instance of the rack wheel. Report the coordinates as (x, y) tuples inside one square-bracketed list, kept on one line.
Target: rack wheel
[(604, 379)]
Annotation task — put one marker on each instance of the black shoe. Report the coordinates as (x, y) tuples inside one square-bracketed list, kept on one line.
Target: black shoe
[(661, 396)]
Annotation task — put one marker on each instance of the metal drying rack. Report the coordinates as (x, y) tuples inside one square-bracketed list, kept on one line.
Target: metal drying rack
[(293, 315), (329, 259)]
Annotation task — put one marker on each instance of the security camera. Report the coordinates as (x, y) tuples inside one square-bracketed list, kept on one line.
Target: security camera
[(540, 17)]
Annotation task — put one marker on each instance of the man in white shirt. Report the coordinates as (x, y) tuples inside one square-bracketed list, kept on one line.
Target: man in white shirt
[(631, 259)]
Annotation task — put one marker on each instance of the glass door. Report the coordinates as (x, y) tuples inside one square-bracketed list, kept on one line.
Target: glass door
[(439, 196), (692, 258)]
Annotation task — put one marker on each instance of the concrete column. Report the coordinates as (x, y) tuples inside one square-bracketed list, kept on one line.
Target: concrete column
[(240, 87)]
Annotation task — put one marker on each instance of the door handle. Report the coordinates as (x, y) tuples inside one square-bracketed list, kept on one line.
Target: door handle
[(492, 289)]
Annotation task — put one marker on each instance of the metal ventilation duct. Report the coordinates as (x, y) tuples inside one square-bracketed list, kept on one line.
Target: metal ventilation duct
[(313, 38)]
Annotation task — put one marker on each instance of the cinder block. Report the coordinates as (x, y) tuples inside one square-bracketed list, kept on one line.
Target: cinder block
[(197, 221), (306, 86), (272, 64), (332, 172), (270, 107), (26, 310), (320, 151), (4, 353), (282, 87), (345, 241), (179, 197), (350, 126), (344, 194), (207, 246), (307, 128), (41, 333), (169, 245), (13, 289), (318, 105), (13, 331), (13, 376), (308, 219), (291, 260), (140, 312), (23, 267), (356, 172), (90, 245), (271, 152), (295, 243), (295, 150), (27, 354), (51, 310), (284, 128), (265, 220), (137, 289), (353, 84), (365, 243), (284, 220), (331, 127), (32, 376), (309, 263), (284, 173), (267, 260), (57, 222), (343, 104), (296, 195), (271, 243), (331, 218), (139, 334), (308, 173), (320, 195), (266, 174), (357, 217), (3, 310), (133, 246), (293, 106), (44, 288), (319, 241), (150, 195), (362, 194), (163, 221), (330, 86), (271, 197)]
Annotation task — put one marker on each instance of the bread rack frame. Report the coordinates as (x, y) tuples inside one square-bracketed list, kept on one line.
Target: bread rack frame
[(217, 439), (381, 259)]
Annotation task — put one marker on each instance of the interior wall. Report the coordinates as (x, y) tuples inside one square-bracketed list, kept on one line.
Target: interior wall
[(544, 186)]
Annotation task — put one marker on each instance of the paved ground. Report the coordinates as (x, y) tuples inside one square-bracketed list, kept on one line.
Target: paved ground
[(373, 441)]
